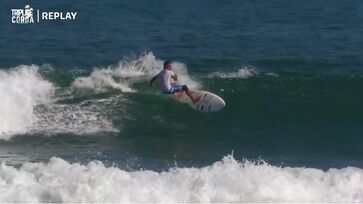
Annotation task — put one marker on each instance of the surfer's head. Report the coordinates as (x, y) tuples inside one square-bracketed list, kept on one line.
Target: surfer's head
[(167, 65)]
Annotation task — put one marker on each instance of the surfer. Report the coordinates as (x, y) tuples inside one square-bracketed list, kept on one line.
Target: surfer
[(166, 87)]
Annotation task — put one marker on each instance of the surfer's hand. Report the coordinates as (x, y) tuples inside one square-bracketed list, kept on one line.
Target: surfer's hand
[(175, 77), (152, 81)]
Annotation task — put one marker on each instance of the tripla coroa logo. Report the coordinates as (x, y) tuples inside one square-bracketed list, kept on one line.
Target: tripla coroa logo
[(25, 16), (22, 16)]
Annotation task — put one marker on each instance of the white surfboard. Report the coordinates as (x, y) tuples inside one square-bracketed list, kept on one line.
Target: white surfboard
[(208, 102)]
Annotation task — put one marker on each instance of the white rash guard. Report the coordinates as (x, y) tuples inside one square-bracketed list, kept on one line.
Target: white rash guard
[(164, 78)]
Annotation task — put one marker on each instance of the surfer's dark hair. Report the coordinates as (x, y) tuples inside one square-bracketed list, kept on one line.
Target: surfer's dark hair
[(166, 63)]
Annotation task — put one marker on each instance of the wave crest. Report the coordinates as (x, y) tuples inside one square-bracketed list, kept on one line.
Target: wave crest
[(128, 72)]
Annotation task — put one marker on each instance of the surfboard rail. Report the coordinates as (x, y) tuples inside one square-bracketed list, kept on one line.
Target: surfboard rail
[(209, 102)]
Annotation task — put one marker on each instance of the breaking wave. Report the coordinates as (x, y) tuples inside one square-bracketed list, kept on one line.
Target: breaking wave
[(29, 102), (28, 105), (225, 181)]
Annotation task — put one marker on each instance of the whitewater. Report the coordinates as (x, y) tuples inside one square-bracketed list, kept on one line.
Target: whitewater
[(227, 180), (21, 89), (28, 105)]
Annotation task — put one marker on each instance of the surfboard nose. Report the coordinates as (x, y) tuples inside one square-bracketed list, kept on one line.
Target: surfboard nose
[(223, 102), (220, 105)]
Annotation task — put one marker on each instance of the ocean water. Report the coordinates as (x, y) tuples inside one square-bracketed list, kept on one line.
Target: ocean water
[(79, 123)]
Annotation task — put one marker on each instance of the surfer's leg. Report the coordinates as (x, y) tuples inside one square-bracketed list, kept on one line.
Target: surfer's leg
[(186, 89), (175, 88)]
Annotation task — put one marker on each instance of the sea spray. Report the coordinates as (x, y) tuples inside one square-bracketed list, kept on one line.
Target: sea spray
[(128, 71), (244, 73), (21, 89)]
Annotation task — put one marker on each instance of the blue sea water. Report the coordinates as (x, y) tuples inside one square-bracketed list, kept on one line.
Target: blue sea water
[(75, 102)]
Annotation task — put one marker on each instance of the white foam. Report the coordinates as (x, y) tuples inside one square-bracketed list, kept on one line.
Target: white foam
[(224, 181), (86, 118), (244, 73), (101, 79), (21, 89), (80, 120), (27, 106), (127, 72)]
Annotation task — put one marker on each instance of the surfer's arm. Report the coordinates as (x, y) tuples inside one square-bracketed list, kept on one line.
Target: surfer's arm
[(175, 77), (152, 80)]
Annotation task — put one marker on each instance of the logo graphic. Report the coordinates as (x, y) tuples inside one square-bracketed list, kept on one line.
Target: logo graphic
[(22, 16), (25, 16)]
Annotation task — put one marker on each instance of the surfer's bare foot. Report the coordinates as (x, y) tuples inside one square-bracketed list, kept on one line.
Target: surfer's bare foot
[(196, 99)]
